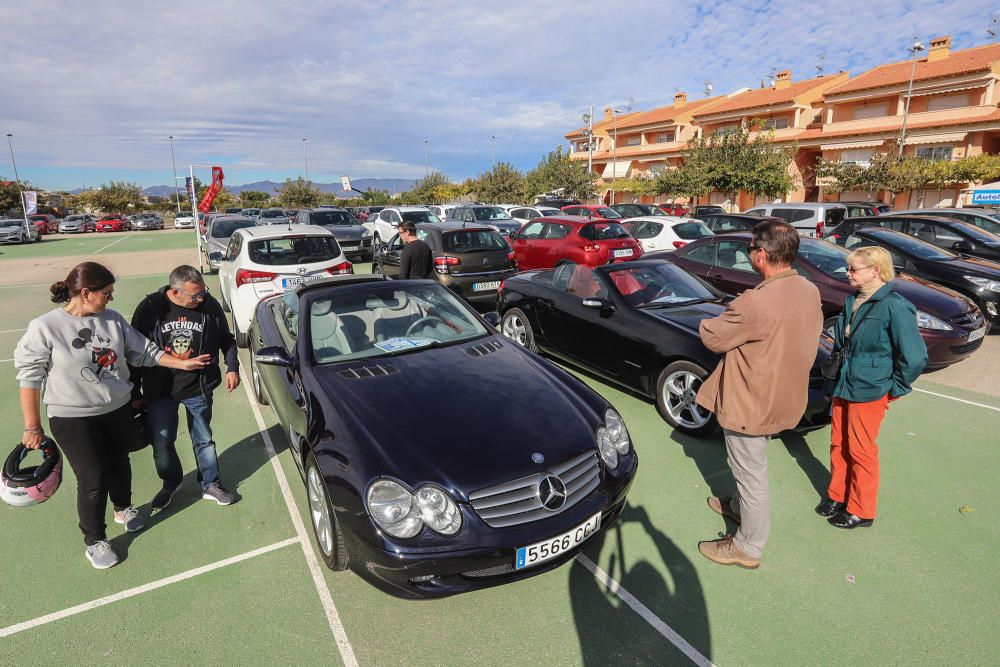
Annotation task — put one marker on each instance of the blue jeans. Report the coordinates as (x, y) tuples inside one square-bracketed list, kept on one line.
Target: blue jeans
[(162, 422)]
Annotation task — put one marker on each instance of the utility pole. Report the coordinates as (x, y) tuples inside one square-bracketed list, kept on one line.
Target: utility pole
[(493, 141), (177, 191), (20, 192), (305, 154), (914, 50), (426, 163)]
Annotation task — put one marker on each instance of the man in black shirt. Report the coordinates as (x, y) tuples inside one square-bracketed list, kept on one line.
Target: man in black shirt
[(415, 261), (184, 320)]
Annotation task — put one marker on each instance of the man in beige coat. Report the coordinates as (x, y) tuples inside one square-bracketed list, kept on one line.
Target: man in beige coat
[(768, 336)]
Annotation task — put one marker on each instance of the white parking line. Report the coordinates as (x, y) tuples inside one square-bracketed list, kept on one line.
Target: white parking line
[(11, 331), (139, 590), (641, 609), (960, 400), (332, 616), (110, 244)]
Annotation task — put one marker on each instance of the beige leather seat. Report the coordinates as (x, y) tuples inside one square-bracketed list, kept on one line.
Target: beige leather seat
[(328, 338)]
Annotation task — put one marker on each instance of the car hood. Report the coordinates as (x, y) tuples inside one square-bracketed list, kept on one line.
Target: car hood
[(976, 265), (930, 297), (346, 232), (465, 420), (687, 317)]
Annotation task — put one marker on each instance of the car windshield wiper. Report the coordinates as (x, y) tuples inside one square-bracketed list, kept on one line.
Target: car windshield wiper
[(674, 304)]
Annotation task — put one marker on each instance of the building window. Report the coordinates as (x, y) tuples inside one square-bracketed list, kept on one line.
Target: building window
[(862, 156), (665, 138), (775, 123), (947, 102), (872, 111), (725, 129), (633, 141), (934, 152)]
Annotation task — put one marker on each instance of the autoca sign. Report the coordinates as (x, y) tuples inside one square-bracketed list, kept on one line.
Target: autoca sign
[(986, 197)]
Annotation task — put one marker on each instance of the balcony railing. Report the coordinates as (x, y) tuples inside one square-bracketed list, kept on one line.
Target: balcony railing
[(957, 113)]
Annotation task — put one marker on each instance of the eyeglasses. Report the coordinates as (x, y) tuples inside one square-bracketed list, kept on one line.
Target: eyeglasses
[(197, 295), (753, 247), (852, 269)]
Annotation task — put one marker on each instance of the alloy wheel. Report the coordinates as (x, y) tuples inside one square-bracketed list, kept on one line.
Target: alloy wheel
[(320, 512), (513, 328), (679, 393)]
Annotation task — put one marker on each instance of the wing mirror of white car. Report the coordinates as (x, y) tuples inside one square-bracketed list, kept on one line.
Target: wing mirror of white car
[(274, 356)]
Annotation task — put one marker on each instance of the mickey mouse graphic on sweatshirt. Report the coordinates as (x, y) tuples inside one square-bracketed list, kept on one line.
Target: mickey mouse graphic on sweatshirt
[(103, 359)]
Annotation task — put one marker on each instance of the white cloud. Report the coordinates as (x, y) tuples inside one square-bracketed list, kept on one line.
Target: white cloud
[(243, 82)]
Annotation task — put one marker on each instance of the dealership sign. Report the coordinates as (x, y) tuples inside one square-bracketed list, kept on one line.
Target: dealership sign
[(987, 197)]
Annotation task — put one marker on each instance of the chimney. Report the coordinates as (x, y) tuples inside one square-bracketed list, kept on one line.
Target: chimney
[(609, 113), (783, 79), (940, 48), (680, 100)]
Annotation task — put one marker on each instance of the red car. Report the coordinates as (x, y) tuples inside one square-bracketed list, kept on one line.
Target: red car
[(44, 222), (593, 212), (546, 242), (115, 222), (674, 209)]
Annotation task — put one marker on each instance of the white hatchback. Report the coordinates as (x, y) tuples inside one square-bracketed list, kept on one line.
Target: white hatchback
[(261, 261), (665, 232), (383, 226), (183, 220)]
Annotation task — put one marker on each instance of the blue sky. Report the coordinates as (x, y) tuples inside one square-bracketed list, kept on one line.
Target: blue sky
[(96, 90)]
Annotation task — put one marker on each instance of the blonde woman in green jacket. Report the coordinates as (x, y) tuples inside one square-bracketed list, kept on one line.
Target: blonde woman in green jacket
[(885, 354)]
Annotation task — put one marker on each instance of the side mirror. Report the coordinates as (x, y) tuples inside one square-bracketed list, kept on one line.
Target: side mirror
[(513, 234), (492, 318), (274, 356), (962, 246), (215, 256), (603, 305)]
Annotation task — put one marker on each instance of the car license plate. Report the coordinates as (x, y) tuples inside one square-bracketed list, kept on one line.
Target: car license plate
[(349, 248), (295, 280), (977, 334), (533, 554), (486, 287), (624, 252)]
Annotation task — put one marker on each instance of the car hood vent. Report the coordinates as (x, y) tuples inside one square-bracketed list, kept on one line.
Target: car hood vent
[(361, 372), (483, 349)]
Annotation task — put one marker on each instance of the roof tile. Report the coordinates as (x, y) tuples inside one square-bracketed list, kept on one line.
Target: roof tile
[(976, 59)]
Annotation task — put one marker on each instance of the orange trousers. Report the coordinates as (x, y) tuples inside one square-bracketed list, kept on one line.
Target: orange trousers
[(854, 468)]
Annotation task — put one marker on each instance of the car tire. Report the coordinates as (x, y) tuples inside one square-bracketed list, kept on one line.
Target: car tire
[(516, 327), (225, 304), (242, 340), (329, 537), (676, 389), (258, 384)]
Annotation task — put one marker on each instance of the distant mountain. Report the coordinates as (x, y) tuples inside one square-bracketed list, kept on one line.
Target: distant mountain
[(392, 185)]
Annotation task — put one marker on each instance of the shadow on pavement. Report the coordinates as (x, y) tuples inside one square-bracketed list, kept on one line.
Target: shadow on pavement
[(709, 454), (815, 470), (678, 600), (236, 465)]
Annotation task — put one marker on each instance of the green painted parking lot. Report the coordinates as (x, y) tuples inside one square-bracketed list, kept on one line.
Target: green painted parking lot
[(241, 584)]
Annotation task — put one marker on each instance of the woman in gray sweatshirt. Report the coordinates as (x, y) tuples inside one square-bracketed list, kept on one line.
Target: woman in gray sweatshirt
[(78, 353)]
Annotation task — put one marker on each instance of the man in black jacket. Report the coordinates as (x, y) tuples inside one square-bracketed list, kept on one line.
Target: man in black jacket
[(186, 321), (415, 261)]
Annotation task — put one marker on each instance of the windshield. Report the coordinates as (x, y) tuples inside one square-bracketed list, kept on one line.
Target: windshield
[(477, 240), (294, 250), (657, 284), (380, 319), (829, 259), (692, 230), (11, 223), (607, 213), (649, 209), (916, 247), (111, 217), (982, 224), (490, 213), (225, 228), (331, 218), (74, 218), (602, 231), (419, 216), (273, 214)]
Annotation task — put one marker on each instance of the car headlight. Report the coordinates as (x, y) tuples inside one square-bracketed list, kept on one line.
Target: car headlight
[(927, 321), (985, 283), (612, 439), (402, 514), (366, 233)]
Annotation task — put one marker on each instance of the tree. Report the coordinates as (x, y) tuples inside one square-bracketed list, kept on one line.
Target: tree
[(299, 193), (114, 197), (10, 198), (731, 162), (556, 171), (373, 197), (503, 183), (254, 199), (639, 186), (431, 190), (688, 180)]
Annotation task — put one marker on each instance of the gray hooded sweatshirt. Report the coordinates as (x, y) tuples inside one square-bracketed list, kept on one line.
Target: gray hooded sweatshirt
[(81, 361)]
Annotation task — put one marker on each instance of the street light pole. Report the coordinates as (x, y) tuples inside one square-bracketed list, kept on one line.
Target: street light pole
[(614, 153), (20, 192), (493, 141), (305, 154), (914, 50), (177, 191), (426, 163)]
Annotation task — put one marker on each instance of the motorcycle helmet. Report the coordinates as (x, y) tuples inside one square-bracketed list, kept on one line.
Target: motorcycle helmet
[(21, 487)]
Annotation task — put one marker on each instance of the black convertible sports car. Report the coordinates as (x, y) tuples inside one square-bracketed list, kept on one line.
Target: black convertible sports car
[(414, 480), (635, 324)]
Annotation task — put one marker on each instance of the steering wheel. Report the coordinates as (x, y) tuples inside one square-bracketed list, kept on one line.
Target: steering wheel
[(666, 289), (422, 322)]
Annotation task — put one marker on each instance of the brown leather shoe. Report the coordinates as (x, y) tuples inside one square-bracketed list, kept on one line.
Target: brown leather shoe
[(723, 506), (724, 552)]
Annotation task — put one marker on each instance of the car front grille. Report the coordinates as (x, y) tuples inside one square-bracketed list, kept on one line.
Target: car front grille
[(516, 502), (973, 319), (495, 571), (965, 348)]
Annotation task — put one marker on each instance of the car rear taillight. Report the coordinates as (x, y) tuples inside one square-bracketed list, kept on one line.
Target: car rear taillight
[(500, 288), (819, 229), (511, 256), (444, 263), (248, 276), (680, 244), (343, 268)]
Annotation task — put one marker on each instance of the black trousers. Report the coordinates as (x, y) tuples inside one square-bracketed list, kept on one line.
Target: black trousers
[(97, 449)]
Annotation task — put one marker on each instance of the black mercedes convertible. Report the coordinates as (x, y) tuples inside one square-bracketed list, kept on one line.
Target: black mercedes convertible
[(418, 479), (632, 323)]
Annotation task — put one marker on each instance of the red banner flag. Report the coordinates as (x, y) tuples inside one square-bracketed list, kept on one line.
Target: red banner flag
[(213, 191)]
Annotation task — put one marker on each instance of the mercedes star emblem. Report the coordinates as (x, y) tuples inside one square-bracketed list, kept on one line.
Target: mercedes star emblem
[(552, 493)]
